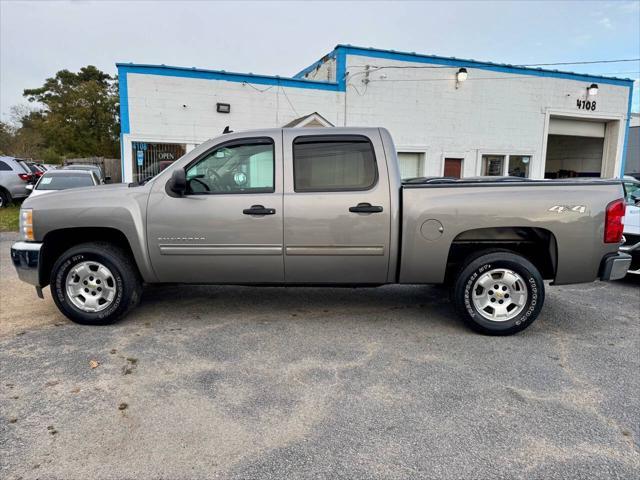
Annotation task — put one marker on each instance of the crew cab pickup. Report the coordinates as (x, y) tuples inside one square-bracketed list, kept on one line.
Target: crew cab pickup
[(320, 207)]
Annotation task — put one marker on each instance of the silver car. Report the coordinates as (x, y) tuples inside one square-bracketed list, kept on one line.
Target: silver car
[(56, 180), (89, 168), (14, 179)]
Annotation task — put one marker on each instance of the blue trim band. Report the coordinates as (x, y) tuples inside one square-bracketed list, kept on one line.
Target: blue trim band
[(623, 163), (226, 76), (458, 62), (341, 68), (124, 100), (121, 157)]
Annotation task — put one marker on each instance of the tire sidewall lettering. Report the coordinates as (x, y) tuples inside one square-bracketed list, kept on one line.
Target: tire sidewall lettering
[(532, 300), (60, 287)]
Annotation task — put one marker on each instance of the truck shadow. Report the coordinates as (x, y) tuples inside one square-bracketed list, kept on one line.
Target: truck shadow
[(388, 303)]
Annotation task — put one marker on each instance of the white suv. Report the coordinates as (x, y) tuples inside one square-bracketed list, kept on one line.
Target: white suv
[(14, 178)]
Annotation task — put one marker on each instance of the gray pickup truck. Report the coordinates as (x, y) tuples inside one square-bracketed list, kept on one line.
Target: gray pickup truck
[(320, 207)]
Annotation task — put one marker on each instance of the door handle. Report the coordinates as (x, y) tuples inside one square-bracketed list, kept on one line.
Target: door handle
[(365, 208), (259, 210)]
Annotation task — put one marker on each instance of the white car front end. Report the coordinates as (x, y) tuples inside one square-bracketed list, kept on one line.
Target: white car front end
[(632, 224)]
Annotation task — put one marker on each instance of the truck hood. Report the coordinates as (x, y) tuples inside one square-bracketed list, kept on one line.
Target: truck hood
[(76, 196)]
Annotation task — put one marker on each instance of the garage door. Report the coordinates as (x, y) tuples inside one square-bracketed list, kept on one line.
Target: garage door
[(410, 164), (575, 148), (576, 128)]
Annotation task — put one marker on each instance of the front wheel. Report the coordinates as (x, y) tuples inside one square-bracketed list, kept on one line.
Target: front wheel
[(95, 283), (499, 293)]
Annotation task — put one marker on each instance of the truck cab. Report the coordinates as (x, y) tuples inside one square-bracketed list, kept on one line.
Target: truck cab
[(316, 211)]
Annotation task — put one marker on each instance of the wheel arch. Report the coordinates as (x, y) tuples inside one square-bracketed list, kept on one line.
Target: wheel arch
[(538, 245), (56, 242)]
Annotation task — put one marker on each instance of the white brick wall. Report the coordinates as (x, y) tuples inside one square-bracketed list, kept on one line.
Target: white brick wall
[(492, 112), (325, 72)]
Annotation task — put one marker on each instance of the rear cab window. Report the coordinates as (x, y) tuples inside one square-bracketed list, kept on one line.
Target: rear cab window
[(65, 181), (334, 163)]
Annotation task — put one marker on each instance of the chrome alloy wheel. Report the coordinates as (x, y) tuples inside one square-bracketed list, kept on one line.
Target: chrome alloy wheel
[(499, 295), (90, 286)]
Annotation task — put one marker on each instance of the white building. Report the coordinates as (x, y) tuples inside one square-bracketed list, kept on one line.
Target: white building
[(448, 116)]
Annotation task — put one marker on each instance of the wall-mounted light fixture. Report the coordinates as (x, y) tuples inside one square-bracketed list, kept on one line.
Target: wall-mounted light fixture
[(223, 107), (592, 90), (461, 76)]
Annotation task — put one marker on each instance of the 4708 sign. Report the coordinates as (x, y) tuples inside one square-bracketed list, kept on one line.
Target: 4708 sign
[(586, 105)]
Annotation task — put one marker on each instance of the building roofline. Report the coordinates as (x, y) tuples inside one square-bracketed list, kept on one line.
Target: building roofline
[(471, 63), (193, 72)]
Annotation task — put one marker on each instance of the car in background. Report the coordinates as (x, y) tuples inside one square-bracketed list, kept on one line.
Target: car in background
[(632, 223), (35, 168), (14, 178), (89, 168), (56, 180)]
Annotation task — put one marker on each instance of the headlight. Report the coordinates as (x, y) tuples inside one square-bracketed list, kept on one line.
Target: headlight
[(26, 224)]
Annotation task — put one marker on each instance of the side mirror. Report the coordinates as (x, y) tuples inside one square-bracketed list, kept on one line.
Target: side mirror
[(30, 187), (178, 182)]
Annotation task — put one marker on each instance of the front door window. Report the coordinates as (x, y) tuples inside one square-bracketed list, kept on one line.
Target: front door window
[(240, 168)]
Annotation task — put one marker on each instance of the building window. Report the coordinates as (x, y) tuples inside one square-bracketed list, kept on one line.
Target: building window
[(499, 165), (411, 164), (493, 165), (149, 159), (453, 167), (519, 165)]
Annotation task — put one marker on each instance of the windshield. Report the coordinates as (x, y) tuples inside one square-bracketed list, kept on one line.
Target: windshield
[(632, 192), (63, 182)]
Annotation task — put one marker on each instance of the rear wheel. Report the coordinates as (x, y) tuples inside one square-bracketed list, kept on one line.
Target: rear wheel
[(499, 293), (5, 198), (95, 283)]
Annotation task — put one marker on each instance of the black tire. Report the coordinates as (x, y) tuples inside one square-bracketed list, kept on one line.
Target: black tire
[(125, 276), (466, 282), (5, 198)]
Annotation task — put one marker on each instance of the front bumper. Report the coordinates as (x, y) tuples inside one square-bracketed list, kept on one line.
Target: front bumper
[(632, 247), (26, 258)]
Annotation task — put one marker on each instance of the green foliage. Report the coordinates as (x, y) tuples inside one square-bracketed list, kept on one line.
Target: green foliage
[(6, 137), (77, 116), (9, 218)]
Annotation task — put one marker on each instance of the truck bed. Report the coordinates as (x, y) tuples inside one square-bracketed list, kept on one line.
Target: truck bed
[(440, 213)]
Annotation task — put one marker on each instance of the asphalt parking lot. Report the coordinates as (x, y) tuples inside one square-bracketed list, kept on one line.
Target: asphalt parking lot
[(236, 382)]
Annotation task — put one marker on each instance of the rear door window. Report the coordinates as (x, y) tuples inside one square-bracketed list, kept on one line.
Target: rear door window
[(4, 166), (333, 163)]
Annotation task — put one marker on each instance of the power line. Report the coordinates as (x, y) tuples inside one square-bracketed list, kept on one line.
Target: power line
[(590, 62)]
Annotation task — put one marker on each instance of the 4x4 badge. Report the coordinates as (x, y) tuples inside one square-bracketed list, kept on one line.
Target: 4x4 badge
[(568, 208)]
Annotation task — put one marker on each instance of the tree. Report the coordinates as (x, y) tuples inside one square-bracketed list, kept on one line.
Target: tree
[(79, 116), (6, 138)]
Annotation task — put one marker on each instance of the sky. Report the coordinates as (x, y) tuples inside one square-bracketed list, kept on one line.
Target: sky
[(38, 38)]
